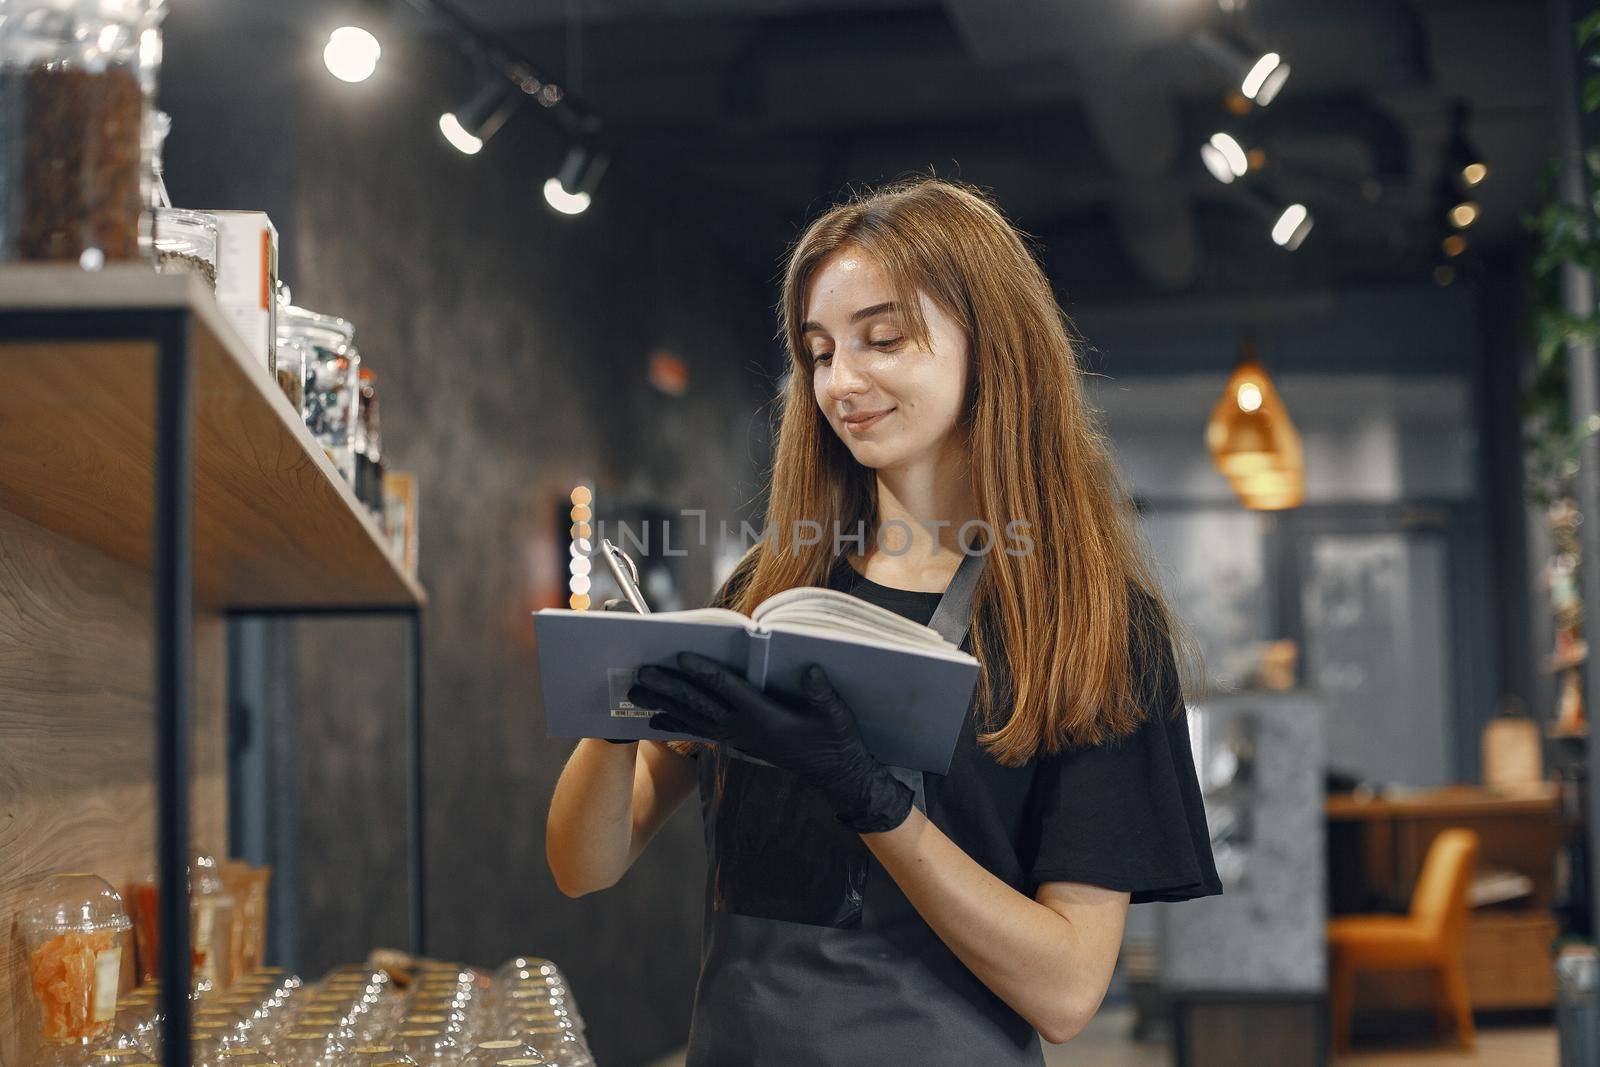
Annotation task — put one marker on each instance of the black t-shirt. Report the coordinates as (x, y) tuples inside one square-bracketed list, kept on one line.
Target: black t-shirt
[(811, 954)]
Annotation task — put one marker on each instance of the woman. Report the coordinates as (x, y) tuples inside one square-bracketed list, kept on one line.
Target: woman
[(861, 914)]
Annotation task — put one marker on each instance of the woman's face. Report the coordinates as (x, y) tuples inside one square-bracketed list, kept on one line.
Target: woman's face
[(890, 401)]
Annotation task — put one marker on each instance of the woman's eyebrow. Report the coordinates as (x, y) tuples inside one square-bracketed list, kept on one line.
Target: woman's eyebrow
[(864, 313)]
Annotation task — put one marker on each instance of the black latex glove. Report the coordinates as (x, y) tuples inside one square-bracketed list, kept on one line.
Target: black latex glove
[(815, 737), (619, 604)]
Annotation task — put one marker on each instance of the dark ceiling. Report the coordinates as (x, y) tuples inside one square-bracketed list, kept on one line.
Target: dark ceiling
[(1084, 118)]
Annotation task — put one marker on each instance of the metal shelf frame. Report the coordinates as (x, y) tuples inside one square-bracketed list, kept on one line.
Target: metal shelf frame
[(172, 579)]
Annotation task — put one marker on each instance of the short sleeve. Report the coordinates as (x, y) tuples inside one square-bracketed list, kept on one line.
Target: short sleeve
[(1128, 814)]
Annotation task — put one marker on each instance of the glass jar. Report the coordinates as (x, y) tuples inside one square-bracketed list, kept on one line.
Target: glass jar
[(75, 80), (369, 447), (74, 926), (291, 361), (157, 127), (185, 243), (331, 380)]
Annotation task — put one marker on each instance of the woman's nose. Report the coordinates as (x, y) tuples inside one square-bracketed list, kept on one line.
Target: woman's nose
[(844, 377)]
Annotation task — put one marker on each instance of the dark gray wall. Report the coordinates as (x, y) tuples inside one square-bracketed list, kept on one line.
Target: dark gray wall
[(510, 345), (511, 348)]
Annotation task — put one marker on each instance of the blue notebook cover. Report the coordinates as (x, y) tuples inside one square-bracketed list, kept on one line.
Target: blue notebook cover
[(910, 705)]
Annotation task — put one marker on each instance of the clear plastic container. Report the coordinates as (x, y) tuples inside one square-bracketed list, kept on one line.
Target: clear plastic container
[(248, 885), (331, 380), (147, 931), (429, 1047), (374, 1055), (186, 243), (502, 1050), (76, 77), (74, 926), (211, 910), (308, 1048)]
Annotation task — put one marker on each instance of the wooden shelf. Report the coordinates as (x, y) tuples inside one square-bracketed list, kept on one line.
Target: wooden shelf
[(275, 525)]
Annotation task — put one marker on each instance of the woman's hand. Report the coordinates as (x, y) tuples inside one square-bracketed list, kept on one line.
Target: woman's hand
[(816, 737)]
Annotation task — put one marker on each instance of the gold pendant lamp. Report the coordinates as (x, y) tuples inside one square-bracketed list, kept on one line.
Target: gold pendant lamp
[(1253, 441)]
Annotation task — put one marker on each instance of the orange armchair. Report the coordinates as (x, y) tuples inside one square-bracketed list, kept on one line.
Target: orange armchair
[(1431, 937)]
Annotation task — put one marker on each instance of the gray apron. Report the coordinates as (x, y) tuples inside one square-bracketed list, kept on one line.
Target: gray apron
[(811, 954)]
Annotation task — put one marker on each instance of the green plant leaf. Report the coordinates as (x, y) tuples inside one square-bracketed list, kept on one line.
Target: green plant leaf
[(1588, 27)]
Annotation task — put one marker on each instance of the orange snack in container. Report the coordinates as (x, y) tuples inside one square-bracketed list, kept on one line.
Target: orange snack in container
[(74, 925)]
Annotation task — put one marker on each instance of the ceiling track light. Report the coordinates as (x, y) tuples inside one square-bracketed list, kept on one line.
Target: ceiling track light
[(470, 127), (351, 54), (571, 190), (1292, 226), (1227, 159), (1258, 75), (1464, 162), (1291, 221)]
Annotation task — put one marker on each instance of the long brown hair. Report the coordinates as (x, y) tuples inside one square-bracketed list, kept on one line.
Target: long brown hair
[(1079, 619)]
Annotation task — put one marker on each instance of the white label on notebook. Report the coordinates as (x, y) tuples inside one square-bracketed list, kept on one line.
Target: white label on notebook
[(618, 681)]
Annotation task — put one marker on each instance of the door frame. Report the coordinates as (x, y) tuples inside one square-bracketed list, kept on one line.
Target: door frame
[(1459, 527)]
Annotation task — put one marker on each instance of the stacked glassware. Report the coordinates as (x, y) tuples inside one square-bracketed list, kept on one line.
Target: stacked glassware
[(522, 1015)]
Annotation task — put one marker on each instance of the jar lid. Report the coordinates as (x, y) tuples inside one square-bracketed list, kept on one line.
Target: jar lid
[(192, 233), (132, 12), (72, 901), (298, 323)]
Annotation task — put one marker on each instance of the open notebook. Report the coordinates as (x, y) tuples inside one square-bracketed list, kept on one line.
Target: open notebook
[(909, 687)]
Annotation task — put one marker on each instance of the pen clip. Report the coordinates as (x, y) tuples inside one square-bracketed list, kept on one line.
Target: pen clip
[(627, 560), (626, 573)]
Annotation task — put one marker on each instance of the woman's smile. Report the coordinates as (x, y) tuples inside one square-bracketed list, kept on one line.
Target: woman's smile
[(856, 424)]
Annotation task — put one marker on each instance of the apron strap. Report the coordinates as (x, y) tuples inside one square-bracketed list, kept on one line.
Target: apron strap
[(953, 617)]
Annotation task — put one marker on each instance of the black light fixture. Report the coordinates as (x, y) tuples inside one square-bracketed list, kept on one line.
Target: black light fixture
[(571, 190), (1461, 211), (493, 103), (1291, 220), (1467, 165), (1228, 159), (1258, 75)]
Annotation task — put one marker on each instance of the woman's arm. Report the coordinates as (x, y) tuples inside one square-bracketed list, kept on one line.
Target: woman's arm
[(1049, 958), (608, 804)]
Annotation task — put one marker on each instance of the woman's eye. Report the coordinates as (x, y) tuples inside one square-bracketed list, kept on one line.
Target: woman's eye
[(887, 342), (821, 357)]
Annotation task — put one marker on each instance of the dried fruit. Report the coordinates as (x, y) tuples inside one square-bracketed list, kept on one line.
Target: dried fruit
[(64, 971)]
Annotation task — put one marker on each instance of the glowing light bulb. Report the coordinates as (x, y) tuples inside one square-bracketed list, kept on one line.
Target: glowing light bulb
[(351, 54)]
